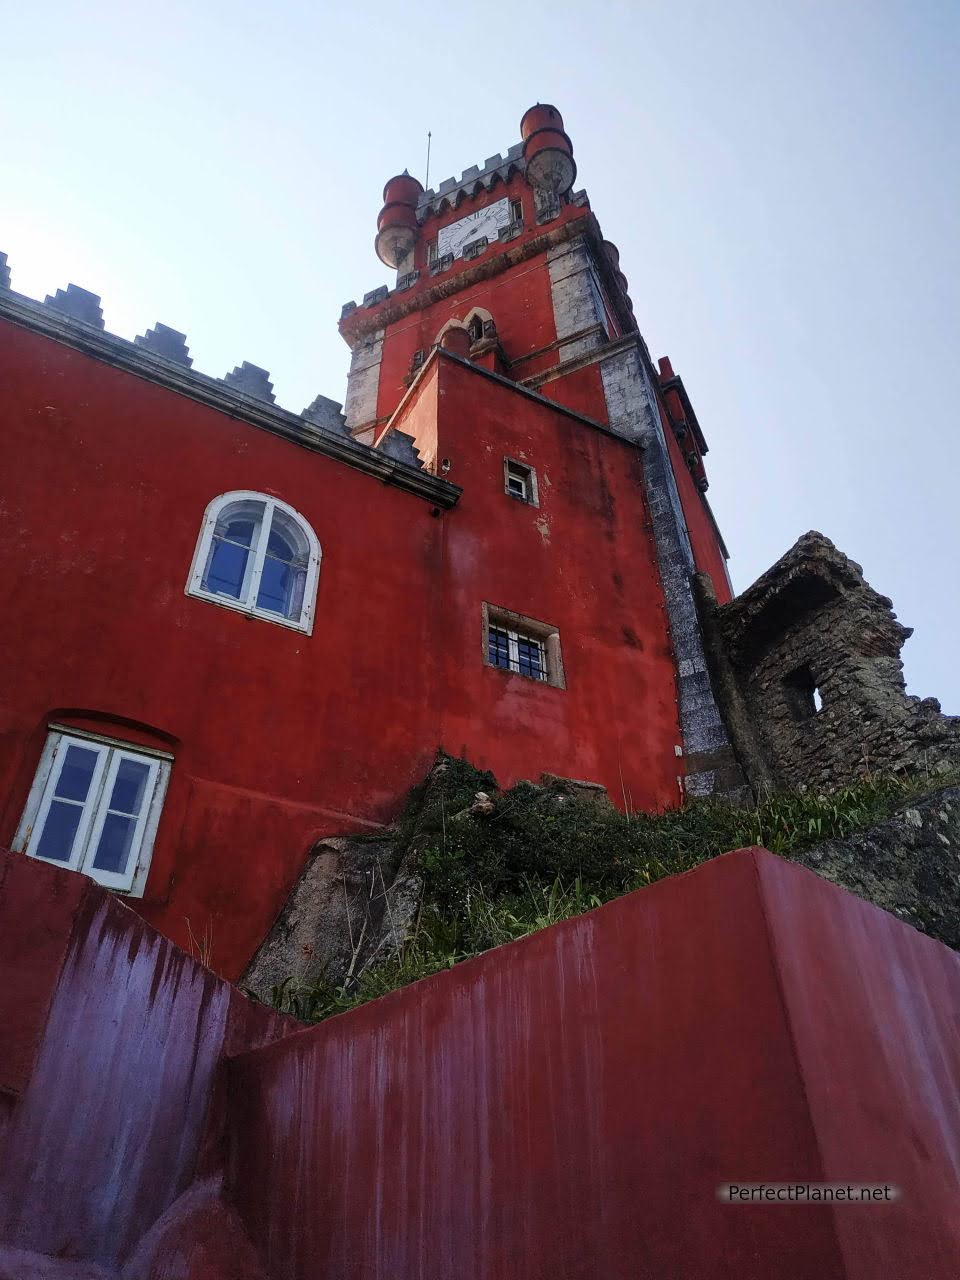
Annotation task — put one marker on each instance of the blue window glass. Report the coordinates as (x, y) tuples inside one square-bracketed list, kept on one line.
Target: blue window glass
[(59, 831), (227, 569), (75, 773), (116, 839), (529, 658), (129, 786), (499, 648), (284, 575)]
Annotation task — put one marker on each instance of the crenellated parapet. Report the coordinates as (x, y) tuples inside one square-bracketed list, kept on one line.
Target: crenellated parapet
[(74, 316), (79, 303), (471, 182), (163, 341)]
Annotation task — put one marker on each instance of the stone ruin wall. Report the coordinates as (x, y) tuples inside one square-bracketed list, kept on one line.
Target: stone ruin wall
[(807, 662)]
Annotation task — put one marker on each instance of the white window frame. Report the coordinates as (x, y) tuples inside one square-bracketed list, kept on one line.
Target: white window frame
[(255, 561), (529, 477), (110, 754), (518, 626)]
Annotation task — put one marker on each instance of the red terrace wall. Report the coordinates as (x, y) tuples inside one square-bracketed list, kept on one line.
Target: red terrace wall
[(118, 1101), (566, 1106), (703, 536), (583, 561)]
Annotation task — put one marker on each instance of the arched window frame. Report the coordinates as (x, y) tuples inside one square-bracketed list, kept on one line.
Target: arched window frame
[(247, 605)]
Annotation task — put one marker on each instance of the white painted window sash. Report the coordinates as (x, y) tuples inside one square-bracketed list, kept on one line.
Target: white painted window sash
[(95, 806), (113, 879), (253, 574), (29, 841), (260, 555)]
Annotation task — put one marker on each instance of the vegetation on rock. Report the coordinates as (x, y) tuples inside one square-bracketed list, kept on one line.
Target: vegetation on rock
[(499, 865)]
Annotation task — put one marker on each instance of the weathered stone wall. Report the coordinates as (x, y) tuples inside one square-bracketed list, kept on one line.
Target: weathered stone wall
[(352, 903), (908, 865), (819, 694)]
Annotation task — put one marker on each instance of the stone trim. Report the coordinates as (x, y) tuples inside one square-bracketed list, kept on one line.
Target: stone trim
[(363, 381), (634, 414), (577, 307), (355, 321)]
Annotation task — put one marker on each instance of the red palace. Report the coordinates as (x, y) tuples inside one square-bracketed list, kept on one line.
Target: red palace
[(239, 629)]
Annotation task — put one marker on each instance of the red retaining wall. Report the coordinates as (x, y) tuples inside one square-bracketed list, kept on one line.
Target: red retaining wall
[(567, 1106), (109, 1059)]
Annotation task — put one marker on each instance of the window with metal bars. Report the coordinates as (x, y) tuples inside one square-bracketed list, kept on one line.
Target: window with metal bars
[(515, 651)]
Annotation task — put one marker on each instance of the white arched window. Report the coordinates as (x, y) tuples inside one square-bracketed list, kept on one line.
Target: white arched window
[(257, 555)]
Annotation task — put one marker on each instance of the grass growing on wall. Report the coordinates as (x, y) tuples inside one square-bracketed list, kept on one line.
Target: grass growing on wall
[(542, 854)]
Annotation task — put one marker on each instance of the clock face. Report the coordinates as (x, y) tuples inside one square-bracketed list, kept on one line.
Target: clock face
[(484, 222)]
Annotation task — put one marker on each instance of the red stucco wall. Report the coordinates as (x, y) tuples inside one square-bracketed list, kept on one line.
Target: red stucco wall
[(568, 1105), (279, 738), (582, 560)]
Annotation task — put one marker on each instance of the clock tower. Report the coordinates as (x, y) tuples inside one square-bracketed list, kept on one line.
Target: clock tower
[(506, 358)]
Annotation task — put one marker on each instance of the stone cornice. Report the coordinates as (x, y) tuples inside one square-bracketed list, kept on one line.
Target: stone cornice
[(401, 303), (121, 354)]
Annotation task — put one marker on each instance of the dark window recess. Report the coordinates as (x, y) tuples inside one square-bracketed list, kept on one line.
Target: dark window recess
[(475, 329), (803, 694), (516, 211), (519, 481)]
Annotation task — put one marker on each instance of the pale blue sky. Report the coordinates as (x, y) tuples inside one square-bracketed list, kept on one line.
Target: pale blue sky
[(782, 180)]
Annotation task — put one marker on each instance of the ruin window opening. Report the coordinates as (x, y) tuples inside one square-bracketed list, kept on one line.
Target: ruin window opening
[(803, 693)]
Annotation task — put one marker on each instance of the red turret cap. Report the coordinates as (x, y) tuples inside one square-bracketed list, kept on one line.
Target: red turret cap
[(547, 150), (397, 226)]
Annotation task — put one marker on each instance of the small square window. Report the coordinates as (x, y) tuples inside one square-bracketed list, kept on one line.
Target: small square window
[(520, 481), (522, 645), (432, 256), (94, 807)]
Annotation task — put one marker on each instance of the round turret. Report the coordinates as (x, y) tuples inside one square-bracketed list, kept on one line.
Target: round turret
[(547, 150), (613, 256), (397, 226)]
